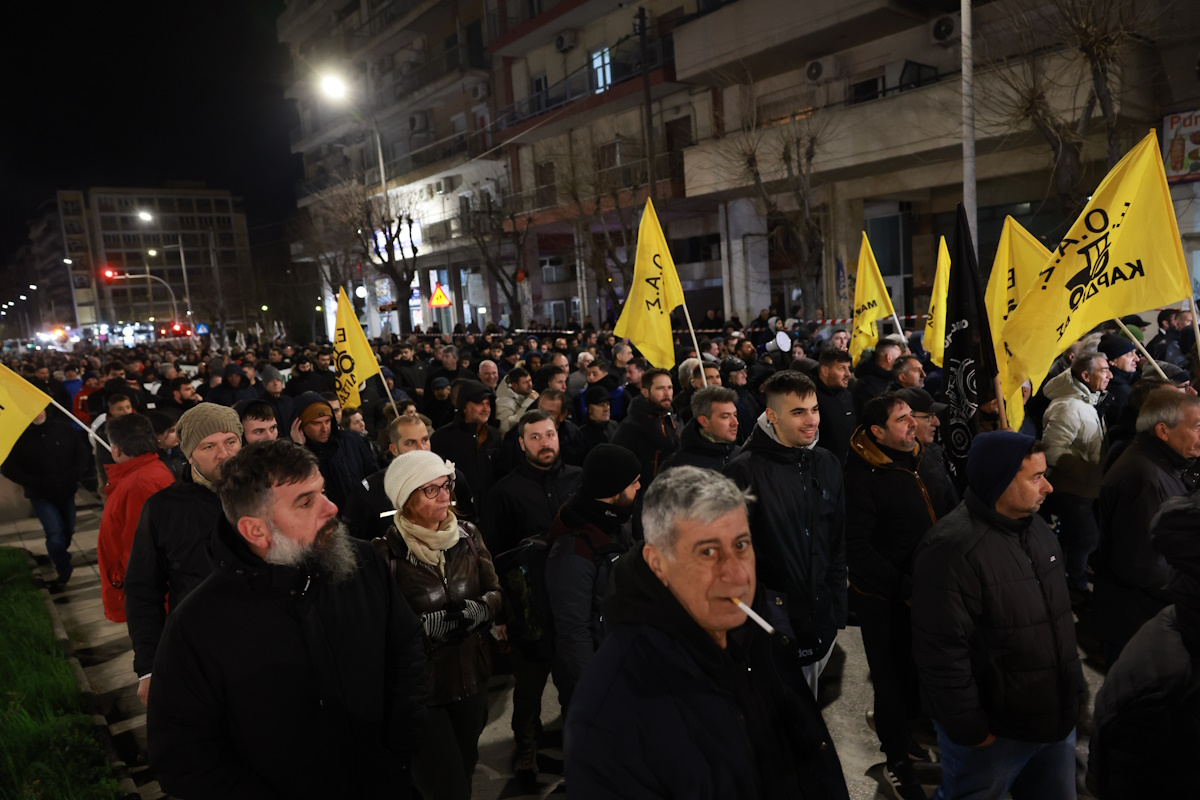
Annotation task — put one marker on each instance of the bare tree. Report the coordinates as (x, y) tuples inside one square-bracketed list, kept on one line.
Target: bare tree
[(498, 230)]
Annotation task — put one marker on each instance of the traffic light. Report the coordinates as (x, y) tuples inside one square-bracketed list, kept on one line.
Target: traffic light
[(109, 274)]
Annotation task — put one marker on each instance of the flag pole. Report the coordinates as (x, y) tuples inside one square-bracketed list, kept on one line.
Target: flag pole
[(692, 330), (1195, 325), (91, 433), (1000, 403), (1145, 353), (895, 319)]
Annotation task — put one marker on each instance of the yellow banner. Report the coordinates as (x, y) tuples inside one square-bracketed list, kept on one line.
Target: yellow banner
[(871, 301), (1123, 255), (20, 402), (1019, 256), (352, 353), (935, 326), (655, 293)]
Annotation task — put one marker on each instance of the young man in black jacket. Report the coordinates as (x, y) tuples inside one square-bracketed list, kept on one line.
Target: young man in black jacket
[(838, 418), (297, 669), (649, 430), (993, 632), (799, 518), (709, 439)]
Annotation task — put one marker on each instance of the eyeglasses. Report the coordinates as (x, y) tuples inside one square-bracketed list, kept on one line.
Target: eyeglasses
[(433, 491)]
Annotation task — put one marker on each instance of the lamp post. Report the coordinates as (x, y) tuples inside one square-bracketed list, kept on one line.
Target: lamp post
[(187, 293), (118, 277)]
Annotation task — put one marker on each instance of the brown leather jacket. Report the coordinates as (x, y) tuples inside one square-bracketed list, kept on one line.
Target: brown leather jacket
[(458, 670)]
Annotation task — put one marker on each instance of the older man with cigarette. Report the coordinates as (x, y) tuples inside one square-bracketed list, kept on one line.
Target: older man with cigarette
[(686, 697)]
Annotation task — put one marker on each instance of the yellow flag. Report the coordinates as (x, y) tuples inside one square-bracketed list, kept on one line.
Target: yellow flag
[(1019, 256), (20, 402), (871, 301), (655, 293), (1122, 255), (935, 326), (352, 353)]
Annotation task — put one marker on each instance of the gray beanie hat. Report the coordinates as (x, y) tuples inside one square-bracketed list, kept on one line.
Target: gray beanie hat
[(269, 374), (202, 421)]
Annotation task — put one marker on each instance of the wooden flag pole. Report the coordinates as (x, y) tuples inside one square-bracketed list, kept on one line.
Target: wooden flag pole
[(695, 344), (1195, 325), (1142, 348), (1000, 403)]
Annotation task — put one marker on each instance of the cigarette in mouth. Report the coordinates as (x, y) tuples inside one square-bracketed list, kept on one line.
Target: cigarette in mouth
[(752, 614)]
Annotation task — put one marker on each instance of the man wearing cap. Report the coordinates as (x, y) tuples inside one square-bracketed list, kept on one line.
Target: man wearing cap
[(709, 439), (344, 456), (468, 441), (589, 533), (1122, 360), (838, 418), (993, 632), (438, 405), (926, 413), (597, 427), (899, 493), (169, 557)]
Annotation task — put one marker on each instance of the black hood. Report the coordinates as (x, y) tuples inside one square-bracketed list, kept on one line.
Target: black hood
[(579, 512)]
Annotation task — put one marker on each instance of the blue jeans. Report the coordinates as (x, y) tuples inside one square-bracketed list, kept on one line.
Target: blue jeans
[(58, 521), (1030, 770)]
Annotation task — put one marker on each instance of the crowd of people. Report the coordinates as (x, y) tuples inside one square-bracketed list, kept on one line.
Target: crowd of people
[(319, 594)]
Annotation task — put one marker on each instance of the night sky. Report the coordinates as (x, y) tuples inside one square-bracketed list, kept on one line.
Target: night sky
[(138, 93)]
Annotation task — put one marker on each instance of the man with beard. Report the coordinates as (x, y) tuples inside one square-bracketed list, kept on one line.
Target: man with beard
[(1123, 358), (344, 456), (180, 394), (297, 669), (469, 441), (169, 557), (588, 535), (649, 430)]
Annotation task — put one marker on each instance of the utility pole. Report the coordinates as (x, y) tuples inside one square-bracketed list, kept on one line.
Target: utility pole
[(968, 125), (212, 257), (643, 36)]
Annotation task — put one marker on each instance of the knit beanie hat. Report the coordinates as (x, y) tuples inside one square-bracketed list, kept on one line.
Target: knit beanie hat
[(1115, 346), (994, 460), (412, 470), (202, 421), (311, 406), (608, 470), (269, 374)]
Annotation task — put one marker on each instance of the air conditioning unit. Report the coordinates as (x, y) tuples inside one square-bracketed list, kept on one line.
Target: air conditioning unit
[(418, 123), (823, 70), (439, 187), (479, 91), (565, 41), (946, 31)]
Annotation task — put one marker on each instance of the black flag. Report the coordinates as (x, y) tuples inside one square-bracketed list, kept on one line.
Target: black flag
[(970, 360)]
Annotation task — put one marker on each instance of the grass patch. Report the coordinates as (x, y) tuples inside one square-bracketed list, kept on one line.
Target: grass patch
[(48, 748)]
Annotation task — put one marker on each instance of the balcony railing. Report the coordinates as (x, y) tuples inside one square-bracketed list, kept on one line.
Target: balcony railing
[(604, 181), (514, 13), (469, 144), (624, 64), (385, 15), (418, 77)]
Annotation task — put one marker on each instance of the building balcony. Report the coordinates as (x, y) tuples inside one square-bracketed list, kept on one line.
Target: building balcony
[(302, 141), (432, 158), (388, 19), (518, 26), (413, 85), (629, 181), (590, 87)]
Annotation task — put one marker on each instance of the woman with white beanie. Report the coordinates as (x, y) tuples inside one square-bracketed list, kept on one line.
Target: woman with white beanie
[(445, 573)]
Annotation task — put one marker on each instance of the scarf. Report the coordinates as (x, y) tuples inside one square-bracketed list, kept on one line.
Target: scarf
[(203, 481), (427, 546)]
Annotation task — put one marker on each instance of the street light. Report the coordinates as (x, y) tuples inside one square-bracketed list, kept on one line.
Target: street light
[(145, 216), (152, 252), (68, 261), (264, 308), (33, 287), (333, 86)]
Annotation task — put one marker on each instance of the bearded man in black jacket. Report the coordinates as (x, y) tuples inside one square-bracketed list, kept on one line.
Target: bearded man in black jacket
[(297, 669), (993, 633)]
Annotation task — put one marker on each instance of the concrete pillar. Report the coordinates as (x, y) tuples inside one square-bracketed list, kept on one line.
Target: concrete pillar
[(745, 264), (458, 296), (373, 327), (426, 293)]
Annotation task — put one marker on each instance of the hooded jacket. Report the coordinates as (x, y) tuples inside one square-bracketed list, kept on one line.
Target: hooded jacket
[(275, 682), (993, 632), (695, 450), (649, 433), (586, 539), (130, 485), (662, 711), (1073, 435), (897, 498), (798, 523)]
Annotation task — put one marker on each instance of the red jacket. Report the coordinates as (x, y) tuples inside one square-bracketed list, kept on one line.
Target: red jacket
[(130, 484)]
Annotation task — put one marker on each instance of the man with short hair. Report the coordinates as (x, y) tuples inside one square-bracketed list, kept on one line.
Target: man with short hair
[(838, 418), (685, 697), (899, 493), (514, 398), (449, 367), (258, 421), (180, 394), (411, 374), (598, 375), (339, 709), (840, 339), (635, 368), (993, 632), (1131, 575), (489, 374), (874, 374), (1165, 345), (577, 381), (169, 557), (908, 372), (136, 474), (118, 406), (344, 456), (649, 431), (799, 519), (709, 440)]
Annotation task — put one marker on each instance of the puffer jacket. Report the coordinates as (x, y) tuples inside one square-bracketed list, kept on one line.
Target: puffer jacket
[(1074, 436), (454, 671), (897, 497), (510, 406), (993, 633), (798, 525)]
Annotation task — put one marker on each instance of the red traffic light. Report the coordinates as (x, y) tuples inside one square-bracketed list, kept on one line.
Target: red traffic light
[(109, 274), (177, 327)]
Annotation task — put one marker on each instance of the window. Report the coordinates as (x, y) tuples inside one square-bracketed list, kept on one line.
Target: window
[(546, 193), (537, 92), (554, 271), (112, 239), (71, 226), (601, 70), (558, 312), (75, 246)]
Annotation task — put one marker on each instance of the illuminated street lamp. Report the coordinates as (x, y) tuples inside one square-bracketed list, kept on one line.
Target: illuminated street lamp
[(152, 252), (145, 216), (333, 86), (68, 261)]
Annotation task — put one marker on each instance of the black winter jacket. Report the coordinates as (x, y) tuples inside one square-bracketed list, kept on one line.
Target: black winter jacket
[(897, 497), (473, 450), (993, 633), (48, 460), (273, 682), (169, 559), (650, 434), (697, 451), (663, 712), (586, 539), (1165, 347), (345, 460), (838, 419), (1117, 397), (595, 433), (1131, 576), (798, 524), (870, 380), (525, 502)]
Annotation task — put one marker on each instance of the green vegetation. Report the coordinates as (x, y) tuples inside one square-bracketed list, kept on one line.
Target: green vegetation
[(48, 748)]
